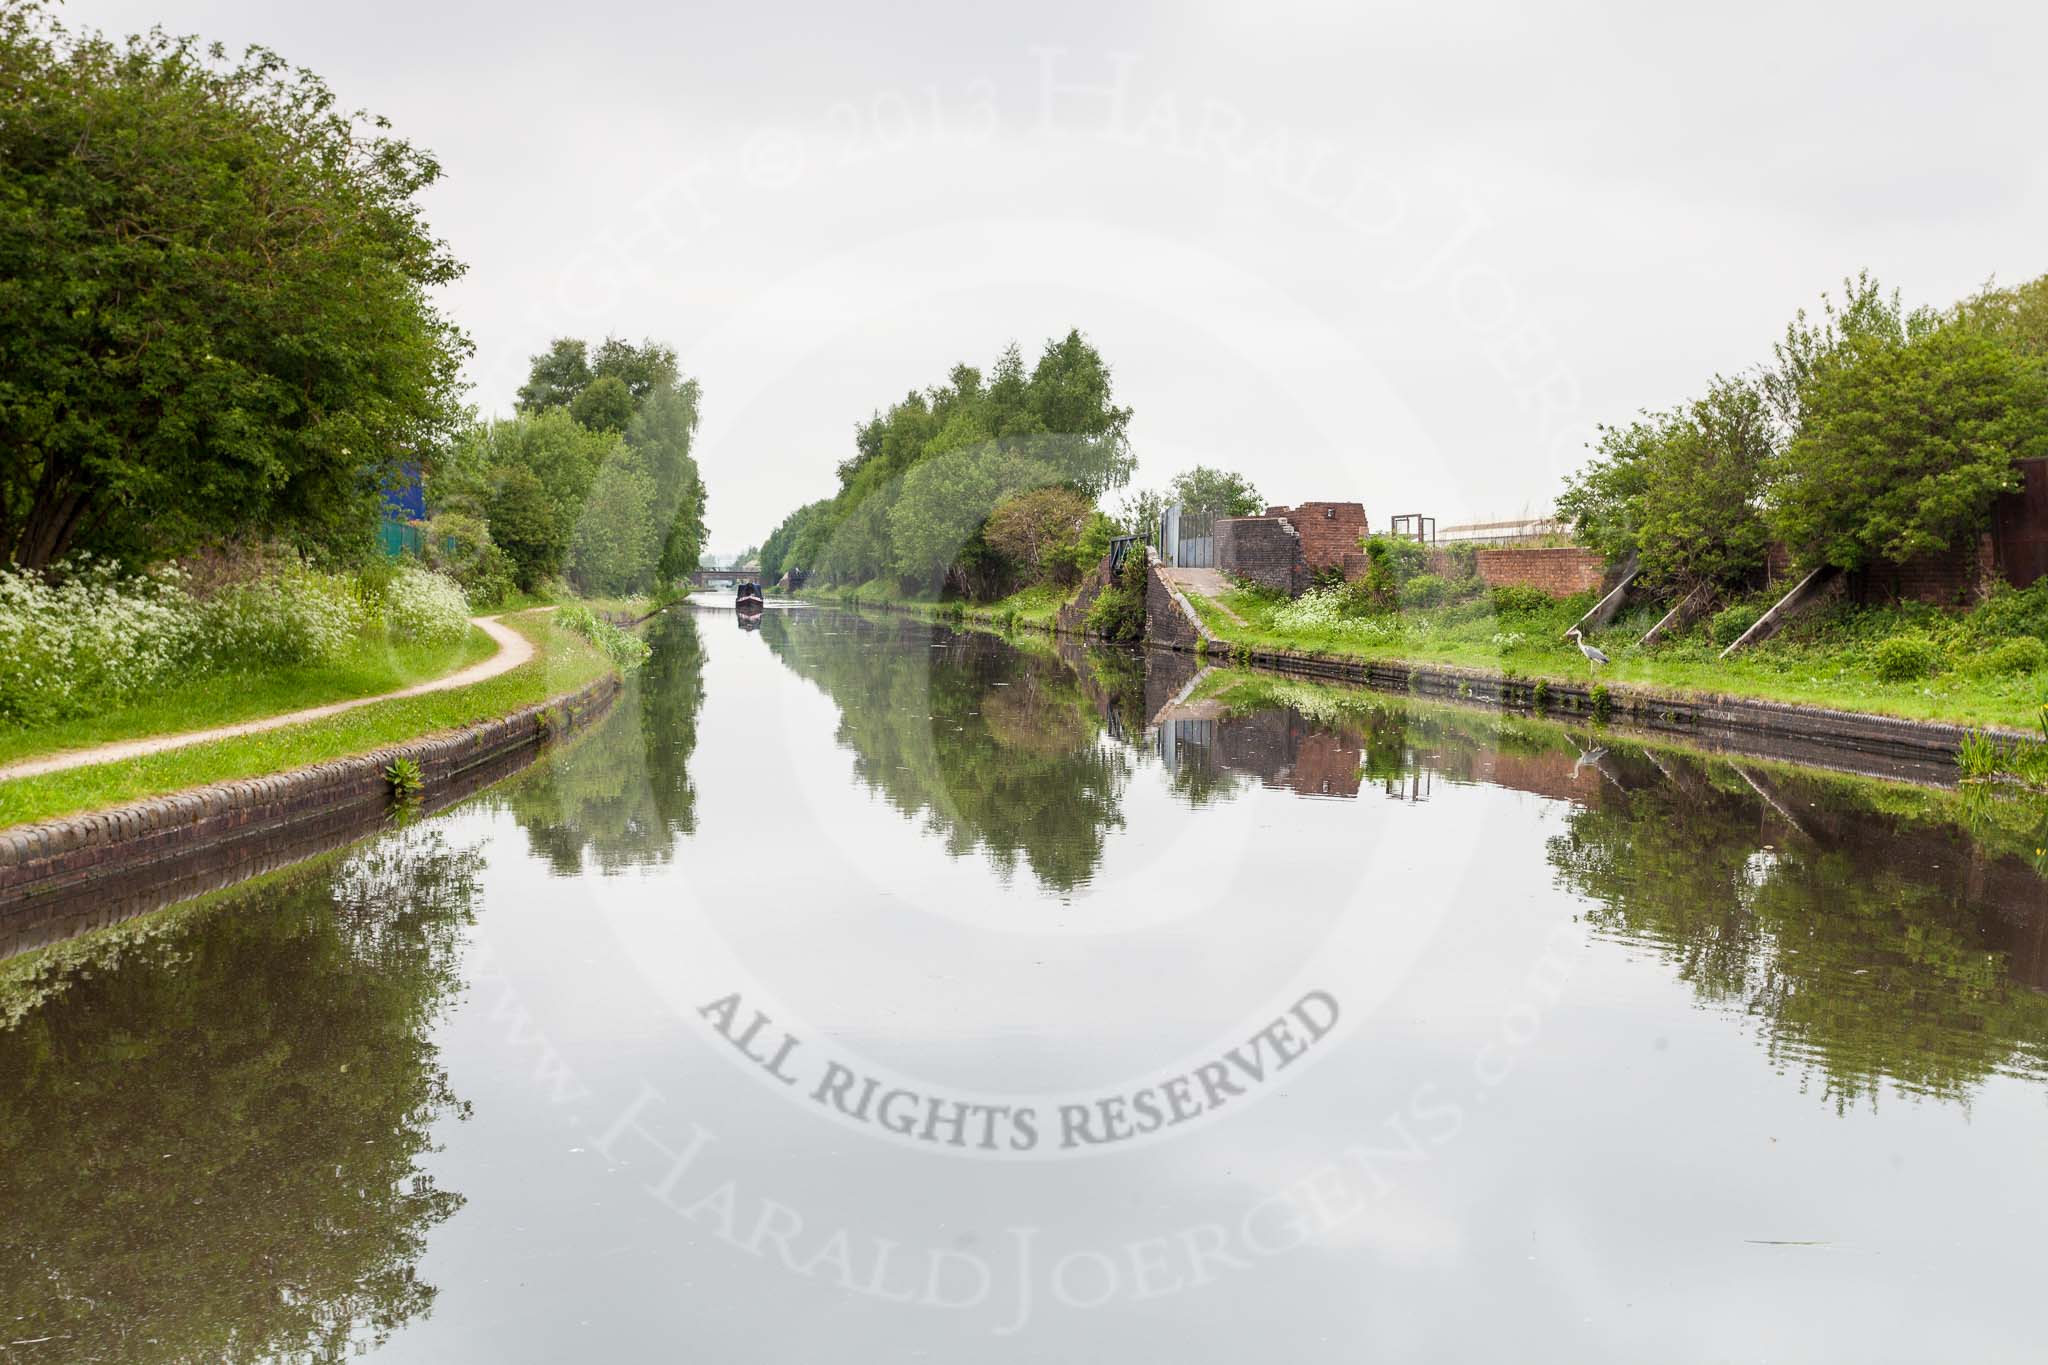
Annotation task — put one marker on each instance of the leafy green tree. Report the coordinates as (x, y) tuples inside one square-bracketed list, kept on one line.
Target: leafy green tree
[(1216, 492), (1040, 531), (1602, 503), (615, 545), (779, 551), (604, 405), (1903, 444), (646, 369), (1700, 512), (944, 502), (662, 433), (216, 293), (523, 523), (1140, 513), (2017, 316), (1866, 316), (989, 435), (557, 376)]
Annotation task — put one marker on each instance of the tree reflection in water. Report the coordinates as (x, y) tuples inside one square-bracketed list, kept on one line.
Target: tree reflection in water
[(622, 794), (1875, 932), (997, 748), (210, 1152)]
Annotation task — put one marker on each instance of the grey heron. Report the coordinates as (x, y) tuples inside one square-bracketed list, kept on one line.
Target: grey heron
[(1594, 655)]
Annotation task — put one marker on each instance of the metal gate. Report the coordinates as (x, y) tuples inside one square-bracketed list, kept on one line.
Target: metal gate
[(1187, 540)]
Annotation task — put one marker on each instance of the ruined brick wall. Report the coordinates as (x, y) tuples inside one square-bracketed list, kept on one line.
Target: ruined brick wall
[(1329, 531), (1560, 571), (1261, 550)]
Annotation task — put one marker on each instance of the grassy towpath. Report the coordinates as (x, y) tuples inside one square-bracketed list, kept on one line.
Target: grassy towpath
[(552, 660), (512, 649)]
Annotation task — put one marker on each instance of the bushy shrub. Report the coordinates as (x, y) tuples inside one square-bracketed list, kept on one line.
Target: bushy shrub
[(424, 606), (461, 547), (1390, 562), (1904, 658), (95, 638), (293, 616), (1316, 609), (1039, 532), (1730, 624), (2015, 658), (2013, 612), (625, 649), (1425, 590), (1513, 599), (1118, 612)]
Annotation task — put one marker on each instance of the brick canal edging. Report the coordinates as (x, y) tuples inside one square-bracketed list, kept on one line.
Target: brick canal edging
[(1850, 741), (75, 872), (1847, 741)]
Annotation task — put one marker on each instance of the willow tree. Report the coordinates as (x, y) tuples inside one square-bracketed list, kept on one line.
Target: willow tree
[(216, 298)]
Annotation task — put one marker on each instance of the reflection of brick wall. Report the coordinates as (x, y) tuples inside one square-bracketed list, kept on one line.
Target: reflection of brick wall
[(1560, 572), (1285, 752), (1261, 550)]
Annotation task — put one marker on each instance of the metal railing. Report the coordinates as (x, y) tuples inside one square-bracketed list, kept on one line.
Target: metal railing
[(1118, 548)]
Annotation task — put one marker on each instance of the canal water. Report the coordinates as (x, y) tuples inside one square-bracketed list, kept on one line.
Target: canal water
[(860, 990)]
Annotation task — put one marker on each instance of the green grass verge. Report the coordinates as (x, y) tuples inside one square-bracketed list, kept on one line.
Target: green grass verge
[(1825, 662), (562, 661), (226, 698)]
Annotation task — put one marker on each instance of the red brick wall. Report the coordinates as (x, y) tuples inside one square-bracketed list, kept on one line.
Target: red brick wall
[(1328, 530), (1560, 572), (1261, 550)]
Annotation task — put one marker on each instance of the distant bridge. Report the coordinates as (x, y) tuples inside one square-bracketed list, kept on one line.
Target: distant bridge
[(725, 578)]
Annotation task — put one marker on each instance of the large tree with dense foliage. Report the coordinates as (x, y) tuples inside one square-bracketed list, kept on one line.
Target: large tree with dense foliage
[(925, 474), (1903, 444), (1682, 489), (595, 474), (216, 306)]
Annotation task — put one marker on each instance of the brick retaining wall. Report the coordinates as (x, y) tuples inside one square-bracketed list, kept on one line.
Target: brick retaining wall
[(1262, 550), (61, 876), (1560, 571)]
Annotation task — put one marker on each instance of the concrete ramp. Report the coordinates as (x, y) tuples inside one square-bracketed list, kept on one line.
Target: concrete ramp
[(1809, 592)]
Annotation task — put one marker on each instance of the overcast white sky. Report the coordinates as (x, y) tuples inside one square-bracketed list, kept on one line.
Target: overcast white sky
[(1407, 254)]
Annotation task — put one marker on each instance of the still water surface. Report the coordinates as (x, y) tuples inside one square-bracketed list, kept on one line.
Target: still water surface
[(864, 991)]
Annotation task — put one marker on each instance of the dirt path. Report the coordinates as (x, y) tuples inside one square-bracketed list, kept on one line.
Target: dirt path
[(514, 649)]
